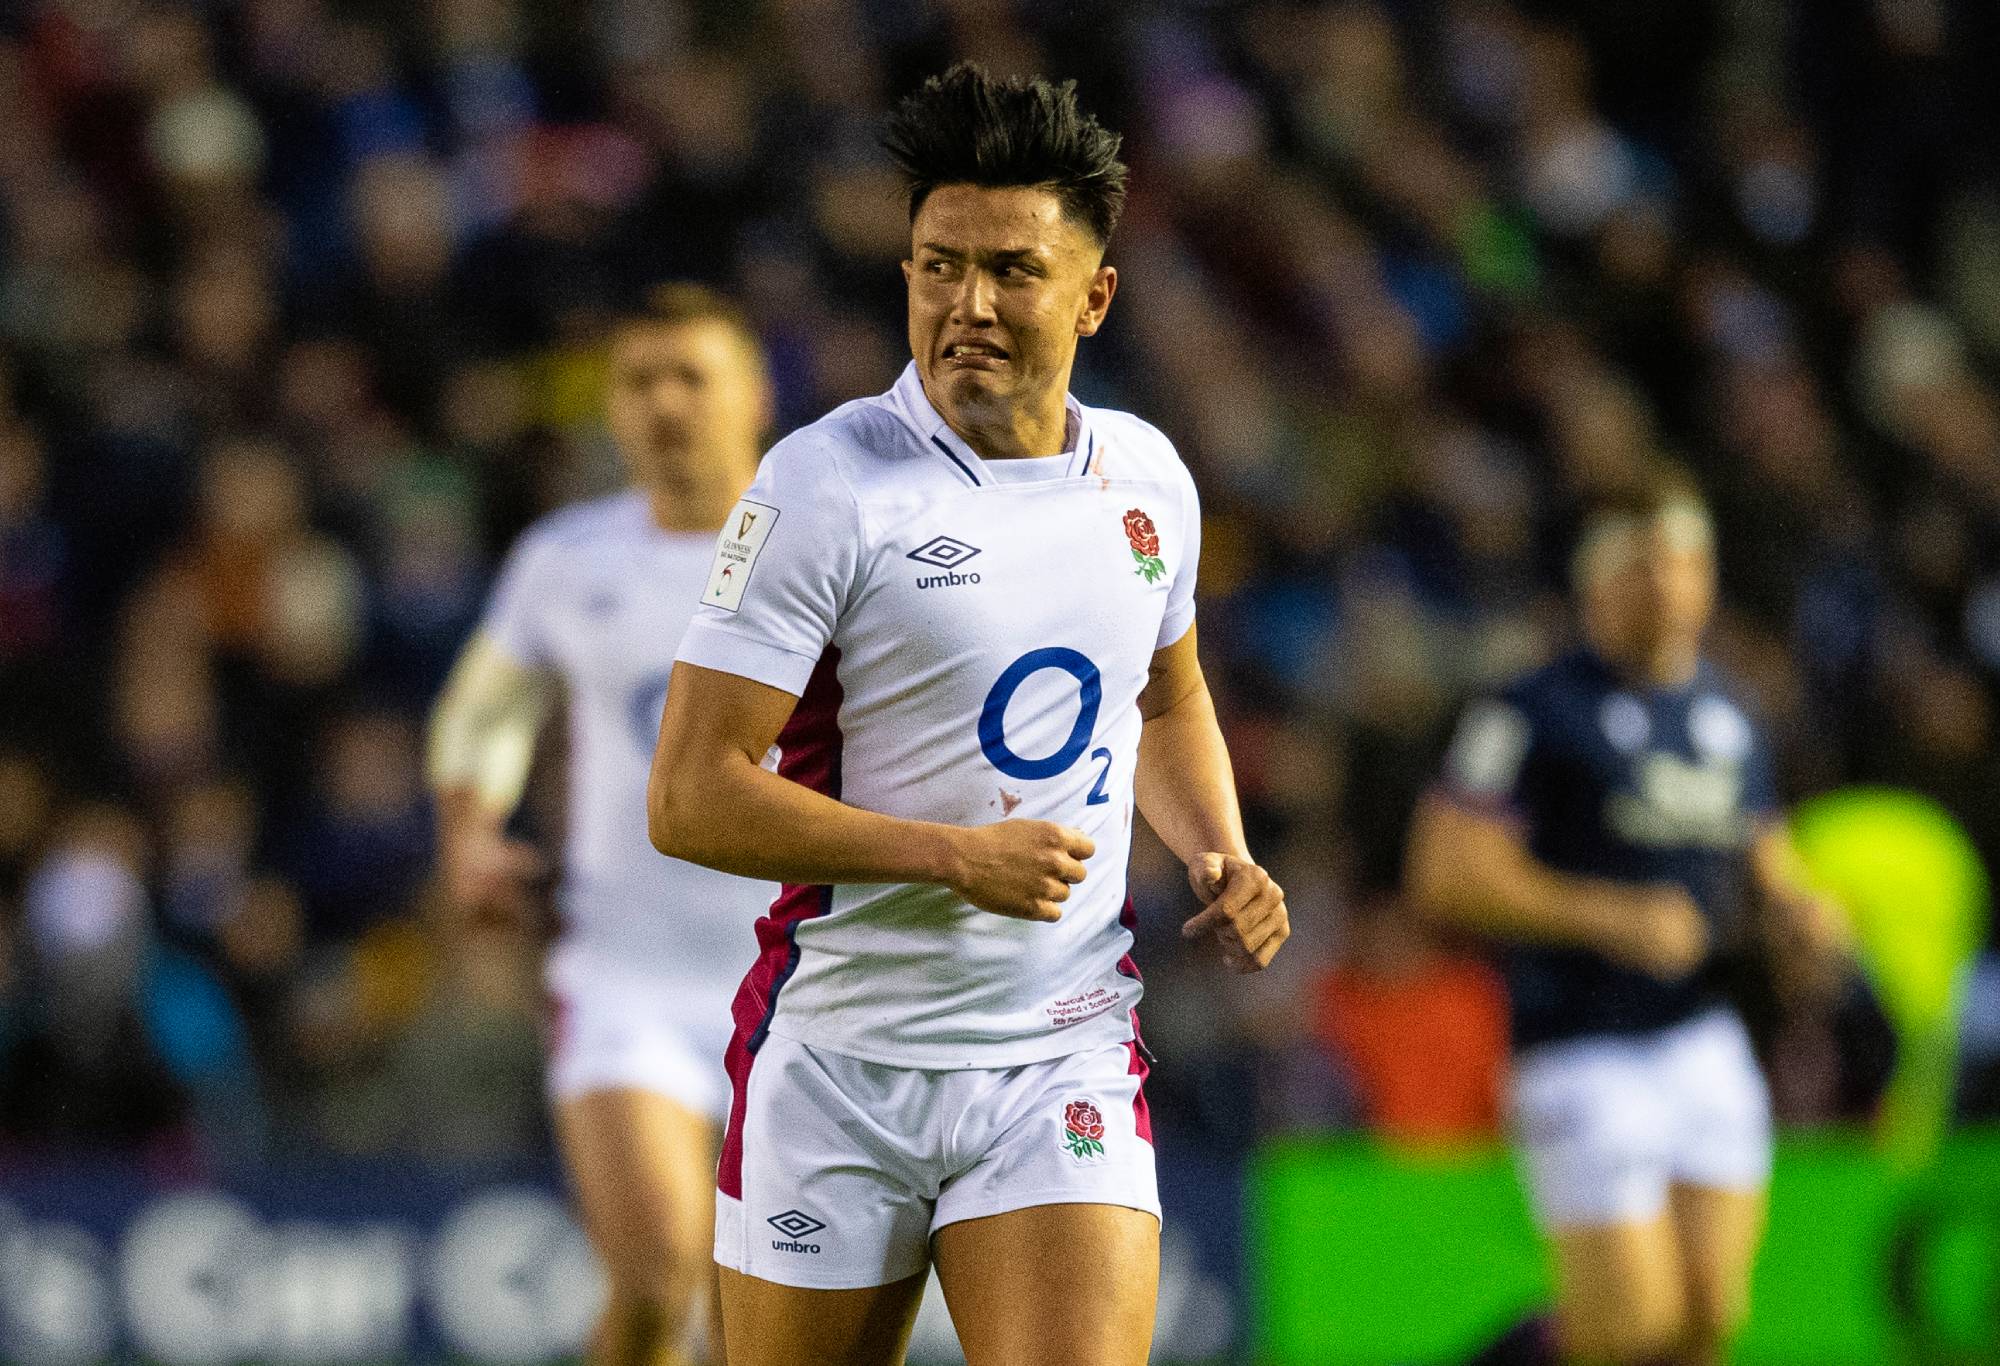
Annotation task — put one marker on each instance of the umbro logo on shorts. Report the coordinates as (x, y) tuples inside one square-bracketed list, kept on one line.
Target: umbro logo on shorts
[(797, 1226), (946, 553), (794, 1223)]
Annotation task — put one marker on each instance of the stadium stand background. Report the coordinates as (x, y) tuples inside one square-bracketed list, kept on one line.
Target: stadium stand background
[(300, 313)]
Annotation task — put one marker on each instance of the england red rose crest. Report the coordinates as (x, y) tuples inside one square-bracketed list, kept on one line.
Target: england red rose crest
[(1085, 1126), (1145, 539)]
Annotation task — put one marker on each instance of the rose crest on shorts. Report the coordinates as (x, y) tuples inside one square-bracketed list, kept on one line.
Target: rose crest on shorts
[(1145, 539), (1083, 1130)]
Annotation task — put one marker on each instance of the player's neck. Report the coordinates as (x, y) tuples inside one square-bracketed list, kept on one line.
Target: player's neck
[(700, 503), (1019, 434), (1673, 668), (1667, 667)]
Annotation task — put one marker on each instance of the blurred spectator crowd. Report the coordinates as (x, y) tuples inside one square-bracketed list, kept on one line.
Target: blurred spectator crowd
[(301, 310)]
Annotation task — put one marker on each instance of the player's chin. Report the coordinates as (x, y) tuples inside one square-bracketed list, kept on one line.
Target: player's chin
[(977, 384), (655, 460)]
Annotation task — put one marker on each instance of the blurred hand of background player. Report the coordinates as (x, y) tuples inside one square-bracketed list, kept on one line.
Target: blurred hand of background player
[(490, 877), (1244, 913), (1021, 868), (1657, 929), (1810, 947)]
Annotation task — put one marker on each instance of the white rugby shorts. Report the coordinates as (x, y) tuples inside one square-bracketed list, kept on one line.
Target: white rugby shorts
[(1607, 1124), (617, 1028), (836, 1172)]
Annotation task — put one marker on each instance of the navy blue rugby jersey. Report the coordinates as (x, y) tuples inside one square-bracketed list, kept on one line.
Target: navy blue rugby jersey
[(1639, 785)]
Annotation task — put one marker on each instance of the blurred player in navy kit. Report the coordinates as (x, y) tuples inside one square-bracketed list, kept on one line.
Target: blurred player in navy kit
[(1610, 818)]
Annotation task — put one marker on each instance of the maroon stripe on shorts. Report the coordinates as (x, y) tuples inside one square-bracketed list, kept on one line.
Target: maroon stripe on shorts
[(1142, 1114)]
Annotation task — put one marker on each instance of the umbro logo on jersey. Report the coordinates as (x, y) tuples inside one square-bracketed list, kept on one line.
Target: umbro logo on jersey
[(946, 553), (797, 1226), (946, 580)]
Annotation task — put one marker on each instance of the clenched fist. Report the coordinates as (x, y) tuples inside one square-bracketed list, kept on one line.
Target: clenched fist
[(1021, 868), (1244, 913), (1658, 930)]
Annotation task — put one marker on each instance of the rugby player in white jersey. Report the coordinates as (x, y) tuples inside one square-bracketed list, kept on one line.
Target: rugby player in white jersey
[(593, 601), (963, 612)]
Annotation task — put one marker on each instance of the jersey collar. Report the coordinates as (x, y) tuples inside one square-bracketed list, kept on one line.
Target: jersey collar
[(1613, 677), (910, 401)]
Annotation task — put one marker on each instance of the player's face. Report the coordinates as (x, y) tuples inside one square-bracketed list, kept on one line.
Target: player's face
[(683, 392), (1002, 283), (1657, 593)]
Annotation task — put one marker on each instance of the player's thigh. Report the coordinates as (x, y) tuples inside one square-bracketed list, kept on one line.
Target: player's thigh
[(1593, 1127), (1718, 1232), (1721, 1104), (1721, 1168), (643, 1168), (1619, 1294), (767, 1324), (1052, 1284)]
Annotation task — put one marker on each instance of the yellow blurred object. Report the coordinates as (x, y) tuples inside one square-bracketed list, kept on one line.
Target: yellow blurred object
[(1914, 891)]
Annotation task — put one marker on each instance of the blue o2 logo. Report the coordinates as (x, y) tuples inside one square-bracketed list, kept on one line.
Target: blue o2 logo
[(993, 716)]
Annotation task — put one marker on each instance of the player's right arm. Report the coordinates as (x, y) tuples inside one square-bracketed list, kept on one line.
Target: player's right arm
[(711, 801), (481, 744), (1467, 864)]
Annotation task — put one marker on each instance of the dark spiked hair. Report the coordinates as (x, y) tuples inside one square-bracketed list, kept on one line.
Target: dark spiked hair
[(967, 128)]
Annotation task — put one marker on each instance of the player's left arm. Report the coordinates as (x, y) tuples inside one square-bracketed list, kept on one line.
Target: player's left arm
[(480, 748), (1186, 790), (1808, 936)]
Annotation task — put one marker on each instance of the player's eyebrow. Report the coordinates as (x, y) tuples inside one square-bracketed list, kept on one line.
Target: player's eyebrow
[(1005, 256)]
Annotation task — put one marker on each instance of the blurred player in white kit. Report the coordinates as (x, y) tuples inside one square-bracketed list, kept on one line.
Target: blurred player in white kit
[(591, 605)]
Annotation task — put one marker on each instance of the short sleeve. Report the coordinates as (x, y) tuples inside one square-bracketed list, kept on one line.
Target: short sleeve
[(784, 566), (1179, 613), (517, 614), (1489, 755)]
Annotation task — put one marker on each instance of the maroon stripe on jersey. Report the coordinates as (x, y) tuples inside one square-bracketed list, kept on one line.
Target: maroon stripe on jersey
[(809, 751), (1493, 805), (1128, 916)]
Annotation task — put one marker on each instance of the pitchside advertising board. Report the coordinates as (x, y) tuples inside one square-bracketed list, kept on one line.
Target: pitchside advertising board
[(350, 1264), (381, 1263), (1360, 1255)]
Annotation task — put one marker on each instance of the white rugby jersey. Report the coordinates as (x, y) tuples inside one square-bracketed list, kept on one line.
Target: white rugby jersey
[(968, 640), (600, 595)]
